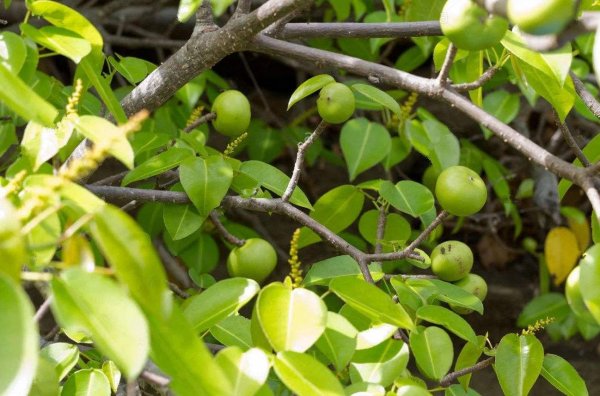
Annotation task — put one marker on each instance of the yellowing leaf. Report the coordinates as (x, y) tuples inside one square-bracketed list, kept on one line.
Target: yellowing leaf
[(581, 231), (562, 251)]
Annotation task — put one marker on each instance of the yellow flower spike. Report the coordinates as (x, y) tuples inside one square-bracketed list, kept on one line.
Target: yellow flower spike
[(234, 144), (537, 326), (196, 113), (295, 271), (75, 98), (13, 185)]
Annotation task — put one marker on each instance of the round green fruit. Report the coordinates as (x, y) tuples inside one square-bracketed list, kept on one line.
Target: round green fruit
[(540, 16), (255, 259), (451, 260), (473, 284), (574, 298), (470, 27), (336, 103), (460, 191), (233, 113)]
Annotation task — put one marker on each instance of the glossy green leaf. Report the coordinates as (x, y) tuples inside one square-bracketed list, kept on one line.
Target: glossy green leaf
[(433, 351), (247, 371), (468, 356), (133, 69), (519, 362), (102, 131), (381, 364), (77, 291), (206, 181), (45, 382), (502, 105), (217, 302), (337, 209), (306, 376), (113, 374), (435, 141), (62, 41), (274, 180), (450, 320), (397, 229), (322, 272), (338, 341), (24, 101), (378, 96), (181, 220), (187, 8), (309, 87), (364, 144), (589, 279), (19, 334), (39, 144), (103, 88), (158, 164), (408, 196), (131, 254), (563, 376), (234, 330), (549, 305), (292, 320), (63, 357), (13, 51), (559, 61), (371, 301), (87, 382), (448, 293)]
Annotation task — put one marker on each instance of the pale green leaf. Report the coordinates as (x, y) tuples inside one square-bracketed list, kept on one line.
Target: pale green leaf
[(86, 382), (305, 375), (206, 181), (102, 131), (379, 96), (364, 144), (59, 40), (158, 164), (247, 371), (309, 87), (433, 351), (563, 376)]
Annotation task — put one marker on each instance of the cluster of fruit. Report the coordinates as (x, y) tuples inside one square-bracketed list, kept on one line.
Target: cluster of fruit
[(470, 27)]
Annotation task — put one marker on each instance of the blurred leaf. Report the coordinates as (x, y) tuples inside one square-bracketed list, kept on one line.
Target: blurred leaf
[(59, 40), (187, 8), (13, 51), (86, 382), (63, 357), (101, 131), (589, 279), (549, 305), (561, 250)]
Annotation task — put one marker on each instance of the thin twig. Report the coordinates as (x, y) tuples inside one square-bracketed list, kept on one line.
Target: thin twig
[(483, 79), (451, 377), (586, 96), (300, 160), (155, 379), (229, 237), (568, 136), (201, 120), (110, 180), (442, 79), (43, 309)]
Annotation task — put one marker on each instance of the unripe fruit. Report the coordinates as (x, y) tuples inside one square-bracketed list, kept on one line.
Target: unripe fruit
[(540, 16), (255, 259), (574, 298), (336, 103), (451, 260), (233, 113), (470, 27), (473, 284), (460, 191)]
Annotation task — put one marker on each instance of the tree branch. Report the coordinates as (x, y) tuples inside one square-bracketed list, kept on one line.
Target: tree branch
[(484, 78), (451, 377), (442, 78), (360, 30), (229, 237), (590, 101)]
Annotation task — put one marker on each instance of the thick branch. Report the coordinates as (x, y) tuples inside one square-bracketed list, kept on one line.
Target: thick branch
[(360, 30)]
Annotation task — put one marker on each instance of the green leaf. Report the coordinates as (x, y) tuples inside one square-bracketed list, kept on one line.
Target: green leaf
[(181, 220), (13, 51), (233, 331), (39, 144), (502, 105), (24, 101), (364, 144), (133, 69), (337, 209), (408, 196), (448, 293), (381, 364), (158, 164), (45, 235), (371, 301), (292, 320), (222, 299), (103, 88), (187, 8), (338, 341), (76, 295), (206, 181), (309, 87), (102, 131), (130, 253), (457, 390), (519, 361), (86, 382), (379, 96), (247, 371), (451, 321), (305, 375), (45, 382), (59, 40), (435, 141), (274, 180), (589, 279), (202, 255), (109, 368), (322, 272), (467, 357), (19, 334), (433, 351), (549, 305), (563, 376), (397, 229), (63, 357)]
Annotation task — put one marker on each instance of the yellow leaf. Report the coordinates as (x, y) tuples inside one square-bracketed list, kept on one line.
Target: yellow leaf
[(562, 251), (581, 231)]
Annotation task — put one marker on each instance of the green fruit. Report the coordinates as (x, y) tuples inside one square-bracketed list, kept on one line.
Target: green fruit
[(336, 103), (574, 298), (255, 259), (473, 284), (233, 113), (540, 16), (460, 191), (451, 260), (470, 27), (13, 254)]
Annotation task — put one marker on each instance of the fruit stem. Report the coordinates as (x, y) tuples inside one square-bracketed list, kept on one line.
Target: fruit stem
[(199, 121)]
